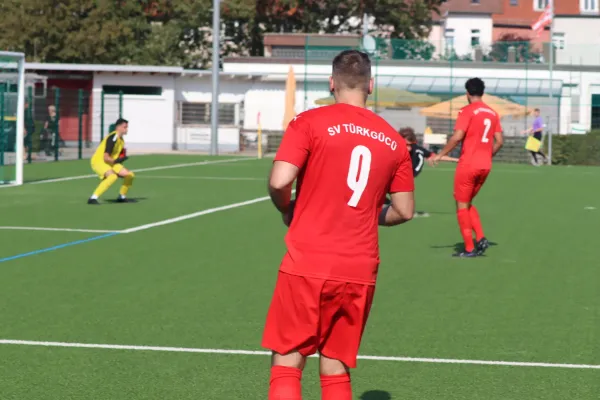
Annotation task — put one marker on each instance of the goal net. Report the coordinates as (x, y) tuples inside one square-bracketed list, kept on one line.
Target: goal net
[(12, 111)]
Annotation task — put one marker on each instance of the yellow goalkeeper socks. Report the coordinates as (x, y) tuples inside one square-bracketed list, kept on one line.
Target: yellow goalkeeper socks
[(127, 182), (104, 185)]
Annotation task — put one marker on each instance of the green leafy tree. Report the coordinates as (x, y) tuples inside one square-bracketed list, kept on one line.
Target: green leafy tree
[(525, 51), (74, 31), (403, 19)]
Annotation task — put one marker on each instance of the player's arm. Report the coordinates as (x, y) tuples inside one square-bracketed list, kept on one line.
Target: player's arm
[(283, 175), (289, 160), (449, 159), (454, 141), (108, 149), (402, 205), (460, 130), (498, 141), (400, 210)]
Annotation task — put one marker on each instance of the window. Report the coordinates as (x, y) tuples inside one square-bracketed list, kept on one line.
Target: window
[(514, 2), (558, 39), (449, 36), (539, 5), (200, 113), (588, 6), (138, 90), (475, 36)]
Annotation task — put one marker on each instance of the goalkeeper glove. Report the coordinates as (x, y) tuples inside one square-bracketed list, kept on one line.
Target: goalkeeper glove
[(121, 160)]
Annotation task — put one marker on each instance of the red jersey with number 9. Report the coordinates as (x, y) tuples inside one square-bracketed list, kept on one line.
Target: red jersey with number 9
[(349, 159), (480, 123)]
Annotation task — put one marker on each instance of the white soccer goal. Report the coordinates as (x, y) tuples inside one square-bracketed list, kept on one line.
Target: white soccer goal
[(12, 112)]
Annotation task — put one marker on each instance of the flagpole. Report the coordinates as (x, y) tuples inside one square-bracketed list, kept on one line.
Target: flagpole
[(551, 68)]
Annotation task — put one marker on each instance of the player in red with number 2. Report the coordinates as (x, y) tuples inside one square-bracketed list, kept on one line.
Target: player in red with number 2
[(346, 159), (478, 128)]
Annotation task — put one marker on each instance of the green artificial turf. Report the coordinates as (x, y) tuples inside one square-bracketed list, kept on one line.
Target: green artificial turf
[(205, 283)]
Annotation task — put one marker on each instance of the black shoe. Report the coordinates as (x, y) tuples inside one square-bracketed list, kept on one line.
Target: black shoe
[(467, 254), (93, 201), (482, 245)]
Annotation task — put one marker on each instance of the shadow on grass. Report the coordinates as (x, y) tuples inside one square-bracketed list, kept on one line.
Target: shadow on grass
[(130, 200), (376, 395), (457, 247)]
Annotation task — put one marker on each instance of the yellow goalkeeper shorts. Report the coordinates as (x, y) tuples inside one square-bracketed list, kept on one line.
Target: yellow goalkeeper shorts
[(102, 168)]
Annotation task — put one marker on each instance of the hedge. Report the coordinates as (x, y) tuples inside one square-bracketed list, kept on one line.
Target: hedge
[(576, 149)]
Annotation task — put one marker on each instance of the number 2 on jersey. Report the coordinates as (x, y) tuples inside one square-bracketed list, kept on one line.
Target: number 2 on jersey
[(360, 161), (488, 125)]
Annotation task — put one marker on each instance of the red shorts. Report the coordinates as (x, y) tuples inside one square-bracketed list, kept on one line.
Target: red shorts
[(468, 182), (310, 315)]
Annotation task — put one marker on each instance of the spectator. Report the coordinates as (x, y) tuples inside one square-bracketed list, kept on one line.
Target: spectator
[(50, 130), (537, 131)]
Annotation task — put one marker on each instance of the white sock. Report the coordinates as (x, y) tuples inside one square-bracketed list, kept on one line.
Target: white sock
[(122, 196), (94, 197)]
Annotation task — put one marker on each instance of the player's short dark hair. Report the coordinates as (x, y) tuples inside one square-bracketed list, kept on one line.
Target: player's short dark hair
[(475, 87), (536, 109), (408, 134), (120, 122), (352, 70)]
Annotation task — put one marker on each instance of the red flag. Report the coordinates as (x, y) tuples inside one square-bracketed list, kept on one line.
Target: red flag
[(544, 20)]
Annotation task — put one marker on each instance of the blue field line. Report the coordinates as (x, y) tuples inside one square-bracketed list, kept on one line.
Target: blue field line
[(60, 246)]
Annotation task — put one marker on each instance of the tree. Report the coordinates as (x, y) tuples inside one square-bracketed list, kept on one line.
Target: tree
[(524, 50), (403, 19), (73, 31)]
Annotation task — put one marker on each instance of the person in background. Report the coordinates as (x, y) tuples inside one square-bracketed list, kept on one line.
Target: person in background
[(50, 129), (537, 131), (419, 154), (479, 130)]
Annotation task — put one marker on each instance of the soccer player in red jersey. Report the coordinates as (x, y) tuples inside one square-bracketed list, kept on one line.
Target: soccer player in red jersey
[(345, 159), (479, 130)]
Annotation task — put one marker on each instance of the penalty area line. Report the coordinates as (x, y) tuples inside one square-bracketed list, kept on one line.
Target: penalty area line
[(159, 168), (267, 353)]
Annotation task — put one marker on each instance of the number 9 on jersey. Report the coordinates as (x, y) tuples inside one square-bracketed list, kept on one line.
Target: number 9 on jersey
[(358, 173)]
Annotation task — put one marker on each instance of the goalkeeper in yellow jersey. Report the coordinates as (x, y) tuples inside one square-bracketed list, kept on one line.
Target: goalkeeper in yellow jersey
[(108, 161)]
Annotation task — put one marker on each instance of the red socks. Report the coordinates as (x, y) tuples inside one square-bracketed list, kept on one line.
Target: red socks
[(476, 223), (336, 387), (285, 383), (466, 229)]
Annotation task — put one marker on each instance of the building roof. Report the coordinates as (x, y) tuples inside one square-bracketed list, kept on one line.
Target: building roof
[(468, 7), (131, 69)]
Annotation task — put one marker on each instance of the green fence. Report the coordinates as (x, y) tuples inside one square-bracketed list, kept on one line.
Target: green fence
[(59, 126), (411, 91)]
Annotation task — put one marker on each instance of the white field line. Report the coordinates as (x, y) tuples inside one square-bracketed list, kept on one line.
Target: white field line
[(213, 178), (36, 228), (150, 225), (159, 168), (194, 215), (266, 353)]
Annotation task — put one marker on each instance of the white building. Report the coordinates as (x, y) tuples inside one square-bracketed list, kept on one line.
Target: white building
[(169, 108)]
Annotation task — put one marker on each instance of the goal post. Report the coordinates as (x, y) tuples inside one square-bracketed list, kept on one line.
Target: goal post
[(12, 117)]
